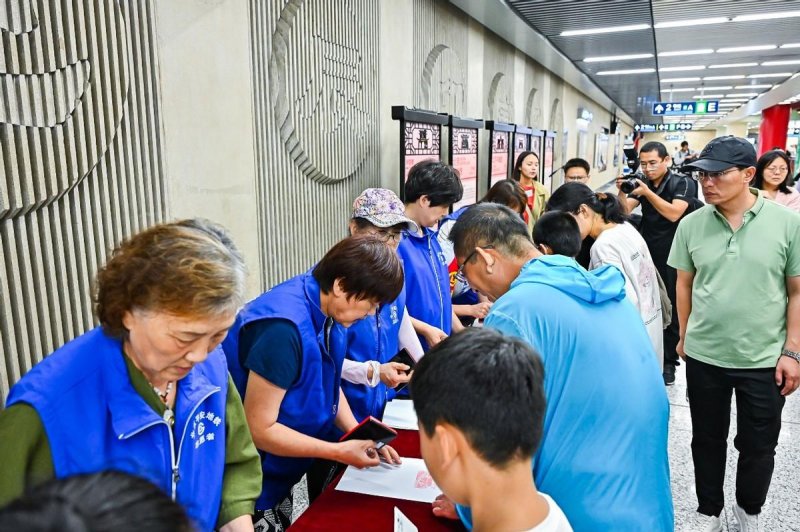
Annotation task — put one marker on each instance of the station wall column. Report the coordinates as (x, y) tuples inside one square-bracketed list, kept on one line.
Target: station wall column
[(774, 126)]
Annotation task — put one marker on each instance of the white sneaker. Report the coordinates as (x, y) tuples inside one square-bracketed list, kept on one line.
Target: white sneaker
[(746, 521), (709, 523)]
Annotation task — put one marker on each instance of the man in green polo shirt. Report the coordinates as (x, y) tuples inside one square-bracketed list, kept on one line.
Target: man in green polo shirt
[(738, 298)]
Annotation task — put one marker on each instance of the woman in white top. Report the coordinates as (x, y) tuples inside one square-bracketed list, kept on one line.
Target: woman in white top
[(617, 242), (772, 178)]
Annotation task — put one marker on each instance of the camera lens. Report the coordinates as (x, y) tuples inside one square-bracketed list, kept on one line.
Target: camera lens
[(628, 186)]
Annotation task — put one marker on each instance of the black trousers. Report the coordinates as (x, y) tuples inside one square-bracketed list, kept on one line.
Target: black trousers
[(758, 423), (672, 332), (321, 474)]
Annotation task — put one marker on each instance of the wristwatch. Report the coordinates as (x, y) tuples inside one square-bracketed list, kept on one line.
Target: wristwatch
[(791, 354)]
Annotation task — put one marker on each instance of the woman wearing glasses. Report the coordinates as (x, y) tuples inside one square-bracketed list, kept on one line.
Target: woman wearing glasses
[(772, 177), (368, 376)]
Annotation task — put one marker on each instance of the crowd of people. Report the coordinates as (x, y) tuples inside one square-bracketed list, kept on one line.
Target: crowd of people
[(543, 329)]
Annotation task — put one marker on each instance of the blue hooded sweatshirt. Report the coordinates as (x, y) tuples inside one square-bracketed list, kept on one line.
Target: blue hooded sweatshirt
[(603, 455)]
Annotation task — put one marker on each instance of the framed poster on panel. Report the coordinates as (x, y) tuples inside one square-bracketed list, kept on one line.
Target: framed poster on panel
[(582, 136), (420, 138), (522, 142), (547, 158), (464, 156), (601, 152), (537, 137), (499, 150)]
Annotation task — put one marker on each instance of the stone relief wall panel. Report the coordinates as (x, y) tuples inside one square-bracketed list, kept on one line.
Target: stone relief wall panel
[(440, 51), (556, 119), (499, 82), (534, 83), (315, 99), (81, 161)]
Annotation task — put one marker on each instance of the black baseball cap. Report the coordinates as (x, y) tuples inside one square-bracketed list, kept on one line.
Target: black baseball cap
[(723, 153)]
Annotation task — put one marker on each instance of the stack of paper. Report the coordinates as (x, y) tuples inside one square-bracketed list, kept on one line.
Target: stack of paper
[(409, 481), (399, 414), (403, 523)]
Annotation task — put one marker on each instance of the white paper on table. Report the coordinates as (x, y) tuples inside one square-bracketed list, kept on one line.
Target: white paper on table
[(400, 414), (409, 481), (403, 523)]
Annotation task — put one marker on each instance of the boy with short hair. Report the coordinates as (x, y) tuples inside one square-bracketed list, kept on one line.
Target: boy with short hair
[(557, 233), (431, 188), (479, 398)]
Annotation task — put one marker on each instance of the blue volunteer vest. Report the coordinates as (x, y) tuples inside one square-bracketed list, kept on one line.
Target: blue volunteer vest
[(95, 421), (454, 215), (427, 281), (373, 338), (310, 405)]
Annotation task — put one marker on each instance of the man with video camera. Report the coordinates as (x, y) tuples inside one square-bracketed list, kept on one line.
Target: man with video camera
[(665, 197)]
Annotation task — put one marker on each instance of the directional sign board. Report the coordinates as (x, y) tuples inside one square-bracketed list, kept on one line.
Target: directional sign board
[(651, 128), (685, 108)]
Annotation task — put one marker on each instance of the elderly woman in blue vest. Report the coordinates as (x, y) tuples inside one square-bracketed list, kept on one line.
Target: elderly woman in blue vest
[(286, 351), (147, 392), (368, 378)]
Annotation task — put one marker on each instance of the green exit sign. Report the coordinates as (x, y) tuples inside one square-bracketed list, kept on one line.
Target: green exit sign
[(700, 108)]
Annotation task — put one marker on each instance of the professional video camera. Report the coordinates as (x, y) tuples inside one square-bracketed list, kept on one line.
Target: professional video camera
[(630, 184), (632, 160)]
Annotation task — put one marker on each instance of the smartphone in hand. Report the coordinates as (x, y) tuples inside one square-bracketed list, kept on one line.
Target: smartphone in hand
[(371, 429), (404, 357)]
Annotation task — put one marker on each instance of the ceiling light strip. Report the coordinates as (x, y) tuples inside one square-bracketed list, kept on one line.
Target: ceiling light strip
[(681, 68), (691, 22), (624, 72), (610, 29), (755, 48)]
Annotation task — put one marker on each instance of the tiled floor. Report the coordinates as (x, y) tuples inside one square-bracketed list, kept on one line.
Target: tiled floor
[(782, 511)]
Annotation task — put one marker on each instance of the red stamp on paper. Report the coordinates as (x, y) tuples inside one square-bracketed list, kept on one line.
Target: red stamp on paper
[(424, 480)]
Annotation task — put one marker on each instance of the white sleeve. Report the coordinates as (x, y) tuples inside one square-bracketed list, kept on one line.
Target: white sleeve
[(408, 338), (607, 254), (443, 236), (355, 372)]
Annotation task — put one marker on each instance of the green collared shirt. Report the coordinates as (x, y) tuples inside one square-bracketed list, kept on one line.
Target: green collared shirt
[(25, 458), (739, 298)]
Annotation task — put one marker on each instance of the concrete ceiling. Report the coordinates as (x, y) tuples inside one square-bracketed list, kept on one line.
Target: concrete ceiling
[(738, 78)]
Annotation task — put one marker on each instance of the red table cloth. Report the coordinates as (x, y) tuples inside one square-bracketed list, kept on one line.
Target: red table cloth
[(341, 510)]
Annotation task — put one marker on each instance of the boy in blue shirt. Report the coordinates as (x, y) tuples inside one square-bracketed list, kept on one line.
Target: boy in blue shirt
[(478, 440), (557, 233), (431, 188)]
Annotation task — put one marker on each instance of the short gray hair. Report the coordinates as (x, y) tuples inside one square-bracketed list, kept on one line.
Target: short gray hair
[(488, 224)]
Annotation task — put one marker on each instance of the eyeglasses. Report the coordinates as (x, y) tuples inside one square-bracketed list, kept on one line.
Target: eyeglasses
[(460, 277), (775, 170), (387, 236), (714, 175)]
